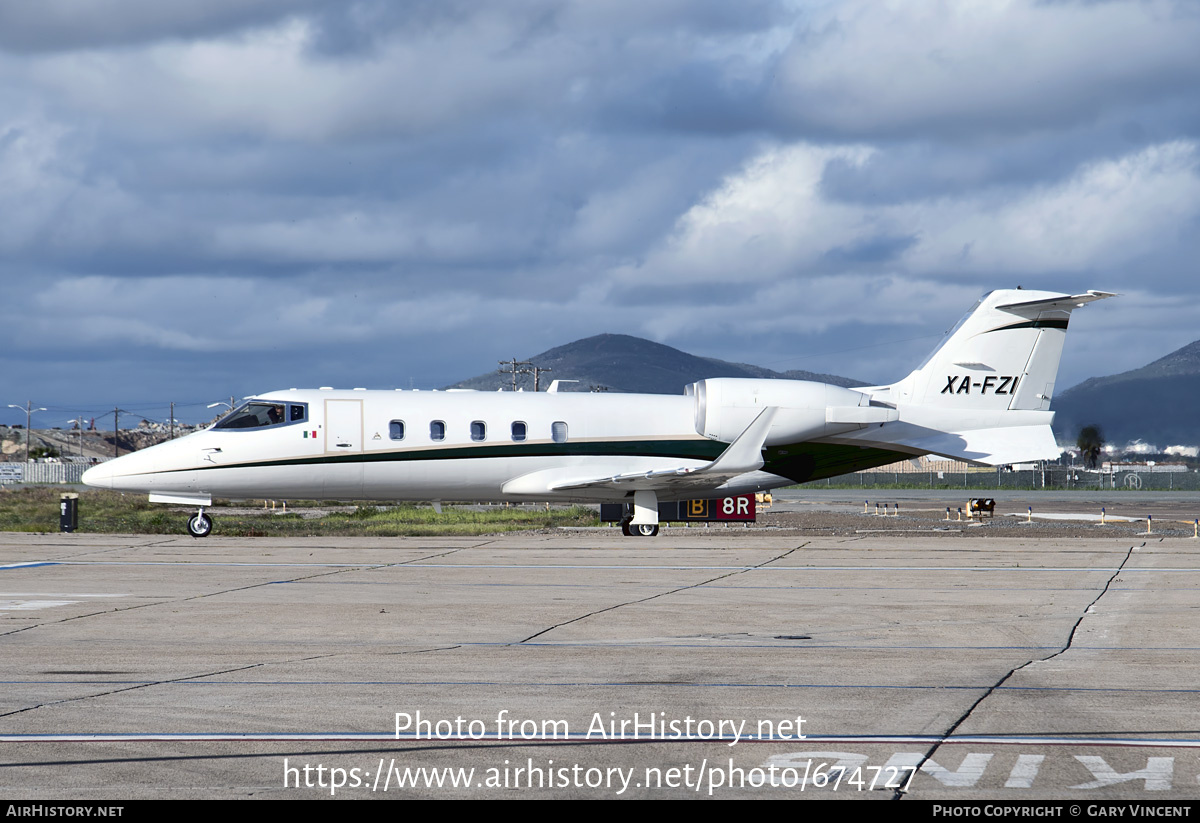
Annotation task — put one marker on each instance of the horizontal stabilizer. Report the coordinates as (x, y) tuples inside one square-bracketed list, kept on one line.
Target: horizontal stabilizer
[(993, 447), (1032, 308)]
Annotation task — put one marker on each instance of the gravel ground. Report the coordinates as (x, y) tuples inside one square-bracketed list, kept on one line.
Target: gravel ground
[(1170, 519)]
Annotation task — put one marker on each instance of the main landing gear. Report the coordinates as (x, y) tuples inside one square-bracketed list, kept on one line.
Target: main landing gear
[(645, 508), (200, 524), (642, 530)]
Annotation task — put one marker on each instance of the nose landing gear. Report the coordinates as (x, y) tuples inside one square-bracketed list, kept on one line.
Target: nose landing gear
[(200, 524)]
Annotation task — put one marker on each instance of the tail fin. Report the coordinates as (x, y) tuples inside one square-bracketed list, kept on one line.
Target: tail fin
[(983, 394), (1003, 355)]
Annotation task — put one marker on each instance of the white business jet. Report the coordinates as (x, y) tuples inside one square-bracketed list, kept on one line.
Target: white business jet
[(983, 395)]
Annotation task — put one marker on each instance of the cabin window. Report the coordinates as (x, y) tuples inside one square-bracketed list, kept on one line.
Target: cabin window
[(437, 430), (478, 431), (558, 431), (396, 429), (519, 431), (296, 413)]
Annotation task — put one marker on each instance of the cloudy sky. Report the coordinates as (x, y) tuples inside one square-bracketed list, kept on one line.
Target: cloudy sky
[(207, 198)]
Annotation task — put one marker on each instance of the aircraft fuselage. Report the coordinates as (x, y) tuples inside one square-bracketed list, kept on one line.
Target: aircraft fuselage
[(419, 445)]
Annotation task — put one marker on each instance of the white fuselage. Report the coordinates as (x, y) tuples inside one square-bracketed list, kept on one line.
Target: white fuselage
[(492, 446), (982, 395)]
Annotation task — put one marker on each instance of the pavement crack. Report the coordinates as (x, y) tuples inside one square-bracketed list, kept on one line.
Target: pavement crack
[(364, 567), (900, 792), (131, 688), (74, 556), (429, 557), (425, 651), (660, 594)]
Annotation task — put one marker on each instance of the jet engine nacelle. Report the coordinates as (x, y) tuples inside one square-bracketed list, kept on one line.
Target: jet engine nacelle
[(725, 406)]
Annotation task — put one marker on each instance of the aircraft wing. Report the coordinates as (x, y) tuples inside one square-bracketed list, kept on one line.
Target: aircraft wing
[(743, 455)]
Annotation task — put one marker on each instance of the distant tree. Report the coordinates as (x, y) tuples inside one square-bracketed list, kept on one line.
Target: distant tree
[(1091, 444), (43, 451)]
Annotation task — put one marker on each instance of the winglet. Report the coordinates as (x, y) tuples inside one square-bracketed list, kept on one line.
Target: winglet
[(745, 452)]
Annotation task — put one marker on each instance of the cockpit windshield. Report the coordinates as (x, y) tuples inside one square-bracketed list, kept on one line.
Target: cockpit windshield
[(257, 414)]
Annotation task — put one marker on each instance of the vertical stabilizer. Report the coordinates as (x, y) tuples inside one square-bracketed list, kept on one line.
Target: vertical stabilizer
[(1003, 355)]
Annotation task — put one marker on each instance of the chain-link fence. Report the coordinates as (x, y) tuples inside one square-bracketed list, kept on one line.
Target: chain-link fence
[(1052, 477)]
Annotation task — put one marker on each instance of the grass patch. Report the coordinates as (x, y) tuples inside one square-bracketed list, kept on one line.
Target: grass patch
[(36, 509)]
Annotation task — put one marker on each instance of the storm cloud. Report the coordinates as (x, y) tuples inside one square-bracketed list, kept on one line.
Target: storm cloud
[(206, 199)]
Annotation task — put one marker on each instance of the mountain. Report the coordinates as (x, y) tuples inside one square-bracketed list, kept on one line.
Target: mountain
[(621, 363), (1158, 403)]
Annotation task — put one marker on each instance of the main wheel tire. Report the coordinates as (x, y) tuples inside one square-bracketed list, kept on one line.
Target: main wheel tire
[(645, 530), (199, 525)]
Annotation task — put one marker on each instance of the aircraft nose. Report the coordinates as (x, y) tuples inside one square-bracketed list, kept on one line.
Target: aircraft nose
[(100, 476), (128, 472)]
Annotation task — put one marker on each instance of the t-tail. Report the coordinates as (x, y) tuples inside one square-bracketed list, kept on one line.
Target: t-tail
[(984, 393)]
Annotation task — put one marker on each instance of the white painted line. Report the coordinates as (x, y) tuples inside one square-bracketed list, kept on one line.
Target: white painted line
[(1075, 516), (59, 594), (32, 605), (1014, 740), (32, 601)]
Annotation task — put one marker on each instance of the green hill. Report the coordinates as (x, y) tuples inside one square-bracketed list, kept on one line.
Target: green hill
[(1157, 403), (621, 363)]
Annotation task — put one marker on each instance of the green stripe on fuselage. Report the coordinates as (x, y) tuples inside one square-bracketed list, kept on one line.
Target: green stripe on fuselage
[(800, 462)]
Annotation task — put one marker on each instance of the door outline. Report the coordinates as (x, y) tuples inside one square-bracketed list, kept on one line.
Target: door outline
[(341, 415)]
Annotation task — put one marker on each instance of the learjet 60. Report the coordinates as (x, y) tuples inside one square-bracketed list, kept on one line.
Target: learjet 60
[(983, 395)]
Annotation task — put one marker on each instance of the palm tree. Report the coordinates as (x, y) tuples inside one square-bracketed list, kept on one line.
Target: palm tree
[(1090, 443)]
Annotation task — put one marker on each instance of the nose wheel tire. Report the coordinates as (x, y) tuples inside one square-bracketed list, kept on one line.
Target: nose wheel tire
[(199, 525), (644, 530)]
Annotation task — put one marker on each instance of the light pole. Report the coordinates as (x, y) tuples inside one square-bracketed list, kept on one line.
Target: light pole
[(29, 410), (78, 421), (222, 403)]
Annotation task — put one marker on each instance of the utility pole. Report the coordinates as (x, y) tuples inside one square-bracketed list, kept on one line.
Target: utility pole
[(513, 370), (172, 419), (537, 373), (117, 430), (29, 410), (78, 421)]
